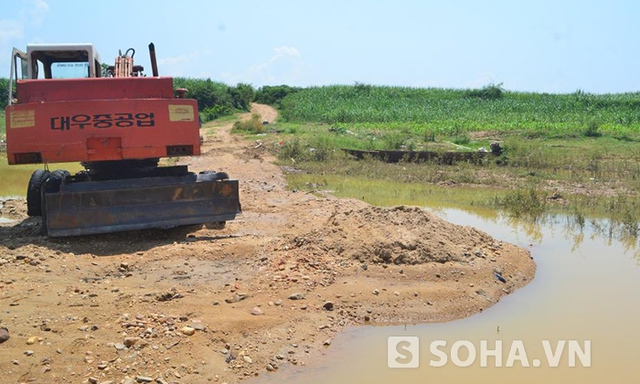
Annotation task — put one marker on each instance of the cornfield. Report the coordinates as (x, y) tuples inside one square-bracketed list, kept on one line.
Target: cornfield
[(449, 111)]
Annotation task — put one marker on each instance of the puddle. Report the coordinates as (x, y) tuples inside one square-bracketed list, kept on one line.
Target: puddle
[(388, 193), (587, 287), (16, 177)]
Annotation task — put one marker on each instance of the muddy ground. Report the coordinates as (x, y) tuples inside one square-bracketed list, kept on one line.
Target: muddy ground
[(272, 288)]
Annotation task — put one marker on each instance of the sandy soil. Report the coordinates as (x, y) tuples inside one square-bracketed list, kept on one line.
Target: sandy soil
[(272, 288)]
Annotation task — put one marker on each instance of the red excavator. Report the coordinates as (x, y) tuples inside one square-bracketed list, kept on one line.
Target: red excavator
[(118, 123)]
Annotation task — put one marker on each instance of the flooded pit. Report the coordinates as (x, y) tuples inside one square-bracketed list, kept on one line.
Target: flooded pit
[(587, 288)]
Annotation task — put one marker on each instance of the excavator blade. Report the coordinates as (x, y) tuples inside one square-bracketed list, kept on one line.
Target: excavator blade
[(95, 207)]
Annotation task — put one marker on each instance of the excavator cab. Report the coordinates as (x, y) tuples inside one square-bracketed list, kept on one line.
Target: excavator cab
[(56, 61)]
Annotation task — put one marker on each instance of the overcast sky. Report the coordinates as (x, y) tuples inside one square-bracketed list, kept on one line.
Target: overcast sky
[(544, 46)]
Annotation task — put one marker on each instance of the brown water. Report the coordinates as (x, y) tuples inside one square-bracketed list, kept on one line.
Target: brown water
[(587, 288)]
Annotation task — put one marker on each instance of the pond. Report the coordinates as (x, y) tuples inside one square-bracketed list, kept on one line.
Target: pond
[(587, 290)]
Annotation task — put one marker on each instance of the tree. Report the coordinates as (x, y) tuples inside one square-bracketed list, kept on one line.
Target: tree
[(242, 96), (4, 92)]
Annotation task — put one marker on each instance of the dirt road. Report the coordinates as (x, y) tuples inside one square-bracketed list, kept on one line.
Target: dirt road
[(270, 289)]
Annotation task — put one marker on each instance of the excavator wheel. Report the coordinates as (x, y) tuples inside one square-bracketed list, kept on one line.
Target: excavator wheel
[(222, 176), (213, 175), (34, 189), (54, 181), (50, 185)]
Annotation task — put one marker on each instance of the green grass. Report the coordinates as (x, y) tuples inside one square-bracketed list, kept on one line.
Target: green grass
[(598, 175), (584, 159), (585, 146), (447, 111)]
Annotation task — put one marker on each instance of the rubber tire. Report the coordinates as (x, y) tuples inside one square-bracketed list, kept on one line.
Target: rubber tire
[(34, 189), (222, 176), (51, 185), (216, 175), (55, 180)]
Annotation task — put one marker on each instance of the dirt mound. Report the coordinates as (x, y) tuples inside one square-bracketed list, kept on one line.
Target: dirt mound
[(398, 235)]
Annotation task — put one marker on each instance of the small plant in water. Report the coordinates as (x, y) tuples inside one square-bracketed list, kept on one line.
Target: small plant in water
[(523, 203)]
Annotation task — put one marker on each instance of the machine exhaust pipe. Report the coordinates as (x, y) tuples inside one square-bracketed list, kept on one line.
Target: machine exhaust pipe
[(154, 61)]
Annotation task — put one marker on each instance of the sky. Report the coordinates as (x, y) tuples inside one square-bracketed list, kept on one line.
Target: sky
[(527, 45)]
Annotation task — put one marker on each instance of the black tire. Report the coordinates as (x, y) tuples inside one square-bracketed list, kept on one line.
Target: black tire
[(222, 176), (55, 180), (213, 175), (34, 204), (51, 185)]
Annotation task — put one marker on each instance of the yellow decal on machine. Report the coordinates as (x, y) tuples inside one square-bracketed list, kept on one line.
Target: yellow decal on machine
[(181, 112), (22, 119)]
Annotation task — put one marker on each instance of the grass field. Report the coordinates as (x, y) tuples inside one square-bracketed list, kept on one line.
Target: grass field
[(450, 112), (577, 153), (575, 137)]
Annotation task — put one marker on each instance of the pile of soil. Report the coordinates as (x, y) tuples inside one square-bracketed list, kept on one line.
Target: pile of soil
[(398, 235)]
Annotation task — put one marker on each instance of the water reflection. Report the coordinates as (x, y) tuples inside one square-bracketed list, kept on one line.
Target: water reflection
[(576, 229), (573, 224), (586, 288)]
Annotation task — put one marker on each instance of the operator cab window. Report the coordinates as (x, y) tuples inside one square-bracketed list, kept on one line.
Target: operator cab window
[(72, 70), (61, 64), (64, 61)]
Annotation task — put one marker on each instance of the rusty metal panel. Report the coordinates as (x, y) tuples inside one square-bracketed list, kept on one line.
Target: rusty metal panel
[(157, 202)]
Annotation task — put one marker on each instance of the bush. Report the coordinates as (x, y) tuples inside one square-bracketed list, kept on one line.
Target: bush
[(462, 138), (273, 95), (212, 113), (592, 130), (394, 140), (316, 150), (429, 135), (488, 92), (253, 125)]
